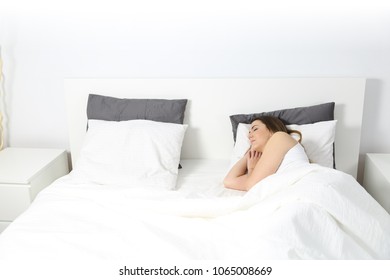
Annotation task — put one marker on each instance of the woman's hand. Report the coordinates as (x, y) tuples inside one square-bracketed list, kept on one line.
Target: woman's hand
[(252, 157)]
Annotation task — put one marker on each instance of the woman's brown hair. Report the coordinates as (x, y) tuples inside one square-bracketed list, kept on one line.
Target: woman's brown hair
[(274, 124)]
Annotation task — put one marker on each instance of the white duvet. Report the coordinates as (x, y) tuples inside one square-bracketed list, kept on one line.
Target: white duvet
[(306, 213)]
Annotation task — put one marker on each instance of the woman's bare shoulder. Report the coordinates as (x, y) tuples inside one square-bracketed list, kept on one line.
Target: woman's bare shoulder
[(283, 136), (282, 139)]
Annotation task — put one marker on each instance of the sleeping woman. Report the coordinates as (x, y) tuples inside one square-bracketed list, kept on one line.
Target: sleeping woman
[(272, 150)]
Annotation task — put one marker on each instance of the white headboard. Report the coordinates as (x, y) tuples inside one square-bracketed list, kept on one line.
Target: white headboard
[(212, 101)]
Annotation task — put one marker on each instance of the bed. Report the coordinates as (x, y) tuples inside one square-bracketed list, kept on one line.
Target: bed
[(172, 212)]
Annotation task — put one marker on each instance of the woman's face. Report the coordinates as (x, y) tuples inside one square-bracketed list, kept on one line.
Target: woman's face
[(258, 135)]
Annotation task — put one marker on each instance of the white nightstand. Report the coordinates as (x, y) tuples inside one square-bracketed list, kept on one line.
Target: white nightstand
[(377, 178), (23, 174)]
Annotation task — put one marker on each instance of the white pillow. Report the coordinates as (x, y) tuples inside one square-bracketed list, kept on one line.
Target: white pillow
[(317, 139), (131, 153), (242, 143)]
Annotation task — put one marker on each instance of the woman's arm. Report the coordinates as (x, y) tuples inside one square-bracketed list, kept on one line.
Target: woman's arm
[(236, 173), (268, 163)]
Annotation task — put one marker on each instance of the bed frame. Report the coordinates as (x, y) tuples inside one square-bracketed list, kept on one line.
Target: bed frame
[(212, 101)]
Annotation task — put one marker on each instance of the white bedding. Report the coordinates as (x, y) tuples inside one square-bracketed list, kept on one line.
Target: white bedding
[(307, 213)]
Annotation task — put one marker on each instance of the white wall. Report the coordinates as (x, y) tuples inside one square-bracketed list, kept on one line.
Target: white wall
[(45, 43)]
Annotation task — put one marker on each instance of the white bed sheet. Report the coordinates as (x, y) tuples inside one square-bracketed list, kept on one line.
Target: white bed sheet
[(307, 213)]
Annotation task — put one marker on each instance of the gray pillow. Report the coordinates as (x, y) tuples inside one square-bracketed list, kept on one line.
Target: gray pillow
[(299, 115), (108, 108)]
